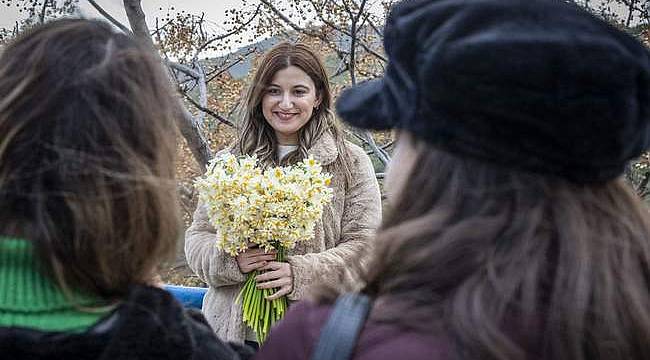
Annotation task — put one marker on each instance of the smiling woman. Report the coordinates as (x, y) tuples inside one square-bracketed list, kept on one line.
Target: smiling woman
[(288, 103), (286, 118)]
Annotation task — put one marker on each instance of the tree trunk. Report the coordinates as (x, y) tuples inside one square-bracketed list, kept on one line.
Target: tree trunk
[(137, 21), (188, 127), (194, 137)]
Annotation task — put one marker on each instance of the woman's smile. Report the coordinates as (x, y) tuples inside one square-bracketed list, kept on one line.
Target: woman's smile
[(285, 116)]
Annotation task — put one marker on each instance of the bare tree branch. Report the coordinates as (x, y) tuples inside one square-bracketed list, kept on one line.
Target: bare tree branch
[(137, 21), (388, 144), (203, 91), (630, 14), (109, 17), (158, 29), (343, 67), (201, 31), (189, 127), (184, 69), (367, 138), (340, 53), (162, 49), (643, 184), (208, 111), (41, 18), (374, 27), (353, 39), (343, 31), (194, 137), (217, 73), (291, 24), (230, 33), (234, 108)]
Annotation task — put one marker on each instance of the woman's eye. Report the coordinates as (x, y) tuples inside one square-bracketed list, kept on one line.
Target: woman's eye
[(300, 92), (273, 91)]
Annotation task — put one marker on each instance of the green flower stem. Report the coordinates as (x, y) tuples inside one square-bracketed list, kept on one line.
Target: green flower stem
[(258, 313)]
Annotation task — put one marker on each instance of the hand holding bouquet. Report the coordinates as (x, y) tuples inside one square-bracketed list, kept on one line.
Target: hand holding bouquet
[(270, 209)]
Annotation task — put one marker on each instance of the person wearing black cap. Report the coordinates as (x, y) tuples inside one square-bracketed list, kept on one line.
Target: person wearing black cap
[(512, 234)]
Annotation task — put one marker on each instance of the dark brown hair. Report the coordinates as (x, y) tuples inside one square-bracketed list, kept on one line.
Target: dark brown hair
[(511, 265), (257, 137), (86, 154)]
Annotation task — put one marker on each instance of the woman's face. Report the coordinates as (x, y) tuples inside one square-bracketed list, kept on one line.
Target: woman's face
[(289, 102), (400, 166)]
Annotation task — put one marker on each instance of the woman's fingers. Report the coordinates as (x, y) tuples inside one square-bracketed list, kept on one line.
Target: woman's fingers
[(284, 290), (269, 275), (258, 258), (274, 283), (274, 270), (259, 251), (277, 265), (254, 259), (277, 275), (257, 265)]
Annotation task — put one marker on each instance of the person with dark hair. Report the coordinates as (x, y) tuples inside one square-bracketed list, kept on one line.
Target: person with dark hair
[(88, 204), (286, 117), (511, 233)]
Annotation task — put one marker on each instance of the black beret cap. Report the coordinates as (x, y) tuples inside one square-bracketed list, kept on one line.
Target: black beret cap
[(537, 85)]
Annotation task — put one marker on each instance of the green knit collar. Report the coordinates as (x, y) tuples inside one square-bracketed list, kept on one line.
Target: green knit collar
[(29, 299)]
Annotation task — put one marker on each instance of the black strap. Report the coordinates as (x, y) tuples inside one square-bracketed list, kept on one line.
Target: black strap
[(339, 335)]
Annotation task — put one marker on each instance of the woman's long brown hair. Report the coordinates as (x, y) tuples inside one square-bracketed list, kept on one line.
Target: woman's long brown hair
[(87, 155), (509, 265), (256, 136)]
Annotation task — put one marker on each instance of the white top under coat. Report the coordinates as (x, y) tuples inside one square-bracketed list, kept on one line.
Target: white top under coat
[(283, 150)]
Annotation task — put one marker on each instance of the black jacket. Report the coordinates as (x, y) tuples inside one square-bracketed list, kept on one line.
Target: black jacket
[(150, 324)]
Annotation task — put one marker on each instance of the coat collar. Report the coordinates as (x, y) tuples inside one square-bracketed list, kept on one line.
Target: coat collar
[(324, 150)]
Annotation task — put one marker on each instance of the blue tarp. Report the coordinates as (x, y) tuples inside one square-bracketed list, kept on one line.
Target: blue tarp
[(191, 297)]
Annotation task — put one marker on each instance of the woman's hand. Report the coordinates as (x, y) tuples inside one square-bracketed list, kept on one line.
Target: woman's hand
[(254, 259), (277, 275)]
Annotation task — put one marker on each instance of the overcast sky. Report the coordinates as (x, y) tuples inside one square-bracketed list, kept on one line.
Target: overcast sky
[(214, 10)]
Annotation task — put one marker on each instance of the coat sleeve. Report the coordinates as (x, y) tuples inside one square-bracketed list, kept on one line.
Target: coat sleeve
[(211, 265), (360, 218)]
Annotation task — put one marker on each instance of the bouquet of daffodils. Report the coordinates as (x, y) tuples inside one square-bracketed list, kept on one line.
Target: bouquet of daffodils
[(273, 208)]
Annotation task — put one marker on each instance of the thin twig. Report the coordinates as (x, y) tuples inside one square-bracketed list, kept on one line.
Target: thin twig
[(208, 111), (158, 29), (230, 33), (367, 138), (42, 16), (214, 75), (109, 17), (383, 147), (643, 184), (353, 40), (291, 24), (378, 31), (347, 33)]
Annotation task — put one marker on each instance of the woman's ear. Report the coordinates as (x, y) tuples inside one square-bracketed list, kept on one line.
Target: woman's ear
[(319, 99)]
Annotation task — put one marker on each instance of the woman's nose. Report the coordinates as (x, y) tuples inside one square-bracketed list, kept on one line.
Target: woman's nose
[(286, 102)]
